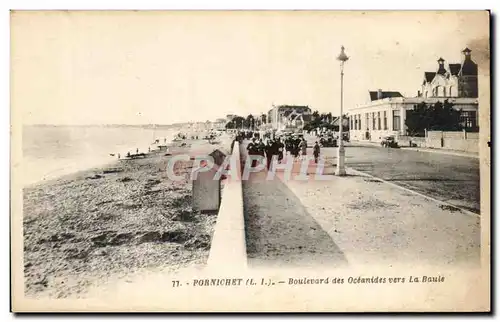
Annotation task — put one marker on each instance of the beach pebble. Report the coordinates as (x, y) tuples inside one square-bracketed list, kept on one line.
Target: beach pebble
[(101, 252), (150, 236)]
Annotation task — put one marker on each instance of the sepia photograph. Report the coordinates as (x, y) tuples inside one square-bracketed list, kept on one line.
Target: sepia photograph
[(209, 161)]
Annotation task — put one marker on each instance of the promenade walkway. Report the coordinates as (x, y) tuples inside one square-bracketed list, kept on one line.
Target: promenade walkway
[(354, 220), (279, 230)]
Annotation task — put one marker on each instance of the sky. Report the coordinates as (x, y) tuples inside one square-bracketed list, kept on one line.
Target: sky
[(129, 67)]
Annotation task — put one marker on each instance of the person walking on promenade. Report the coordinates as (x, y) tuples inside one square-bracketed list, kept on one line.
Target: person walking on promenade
[(252, 150), (303, 147), (261, 147), (261, 150), (316, 151), (281, 148), (288, 145), (276, 148), (269, 149), (296, 147)]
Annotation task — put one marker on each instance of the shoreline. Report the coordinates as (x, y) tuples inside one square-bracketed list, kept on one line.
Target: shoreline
[(80, 164), (69, 175), (95, 225), (68, 172)]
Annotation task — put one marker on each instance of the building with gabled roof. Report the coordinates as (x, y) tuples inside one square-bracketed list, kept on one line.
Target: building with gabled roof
[(452, 80), (289, 117), (385, 112)]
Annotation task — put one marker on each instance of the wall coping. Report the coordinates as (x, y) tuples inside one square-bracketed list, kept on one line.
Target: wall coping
[(228, 247)]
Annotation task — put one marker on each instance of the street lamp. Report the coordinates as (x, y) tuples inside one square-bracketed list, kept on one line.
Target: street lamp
[(341, 151)]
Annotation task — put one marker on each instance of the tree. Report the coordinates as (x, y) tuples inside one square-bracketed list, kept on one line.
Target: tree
[(437, 117), (315, 116), (238, 122), (263, 117), (329, 117), (250, 122), (446, 118), (417, 120), (315, 120)]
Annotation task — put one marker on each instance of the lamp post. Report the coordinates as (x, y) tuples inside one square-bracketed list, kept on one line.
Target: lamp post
[(341, 151)]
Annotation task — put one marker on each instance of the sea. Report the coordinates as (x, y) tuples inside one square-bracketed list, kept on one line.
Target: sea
[(53, 151)]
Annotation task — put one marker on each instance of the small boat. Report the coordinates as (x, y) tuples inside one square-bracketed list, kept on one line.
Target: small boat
[(162, 147), (134, 156)]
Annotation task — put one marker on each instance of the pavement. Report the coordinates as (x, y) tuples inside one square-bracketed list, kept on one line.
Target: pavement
[(440, 151), (429, 150), (356, 220), (447, 177), (279, 231), (373, 223)]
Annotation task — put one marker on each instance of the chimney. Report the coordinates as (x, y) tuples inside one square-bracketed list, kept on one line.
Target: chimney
[(379, 94), (441, 69), (466, 53)]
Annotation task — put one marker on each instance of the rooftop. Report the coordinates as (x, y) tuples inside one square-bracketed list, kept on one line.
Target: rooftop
[(385, 94), (454, 69), (291, 106), (429, 76)]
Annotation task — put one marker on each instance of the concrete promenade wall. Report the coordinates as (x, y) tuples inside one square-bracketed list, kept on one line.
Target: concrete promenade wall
[(457, 141), (228, 248), (412, 141)]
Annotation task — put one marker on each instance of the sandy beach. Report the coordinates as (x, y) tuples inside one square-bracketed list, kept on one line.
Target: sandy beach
[(95, 225)]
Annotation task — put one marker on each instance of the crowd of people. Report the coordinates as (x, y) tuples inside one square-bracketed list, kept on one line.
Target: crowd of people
[(269, 146), (268, 149)]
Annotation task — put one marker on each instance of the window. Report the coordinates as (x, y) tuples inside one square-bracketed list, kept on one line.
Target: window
[(373, 121), (378, 121), (440, 91), (352, 123), (468, 119), (367, 124), (385, 120), (395, 120)]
